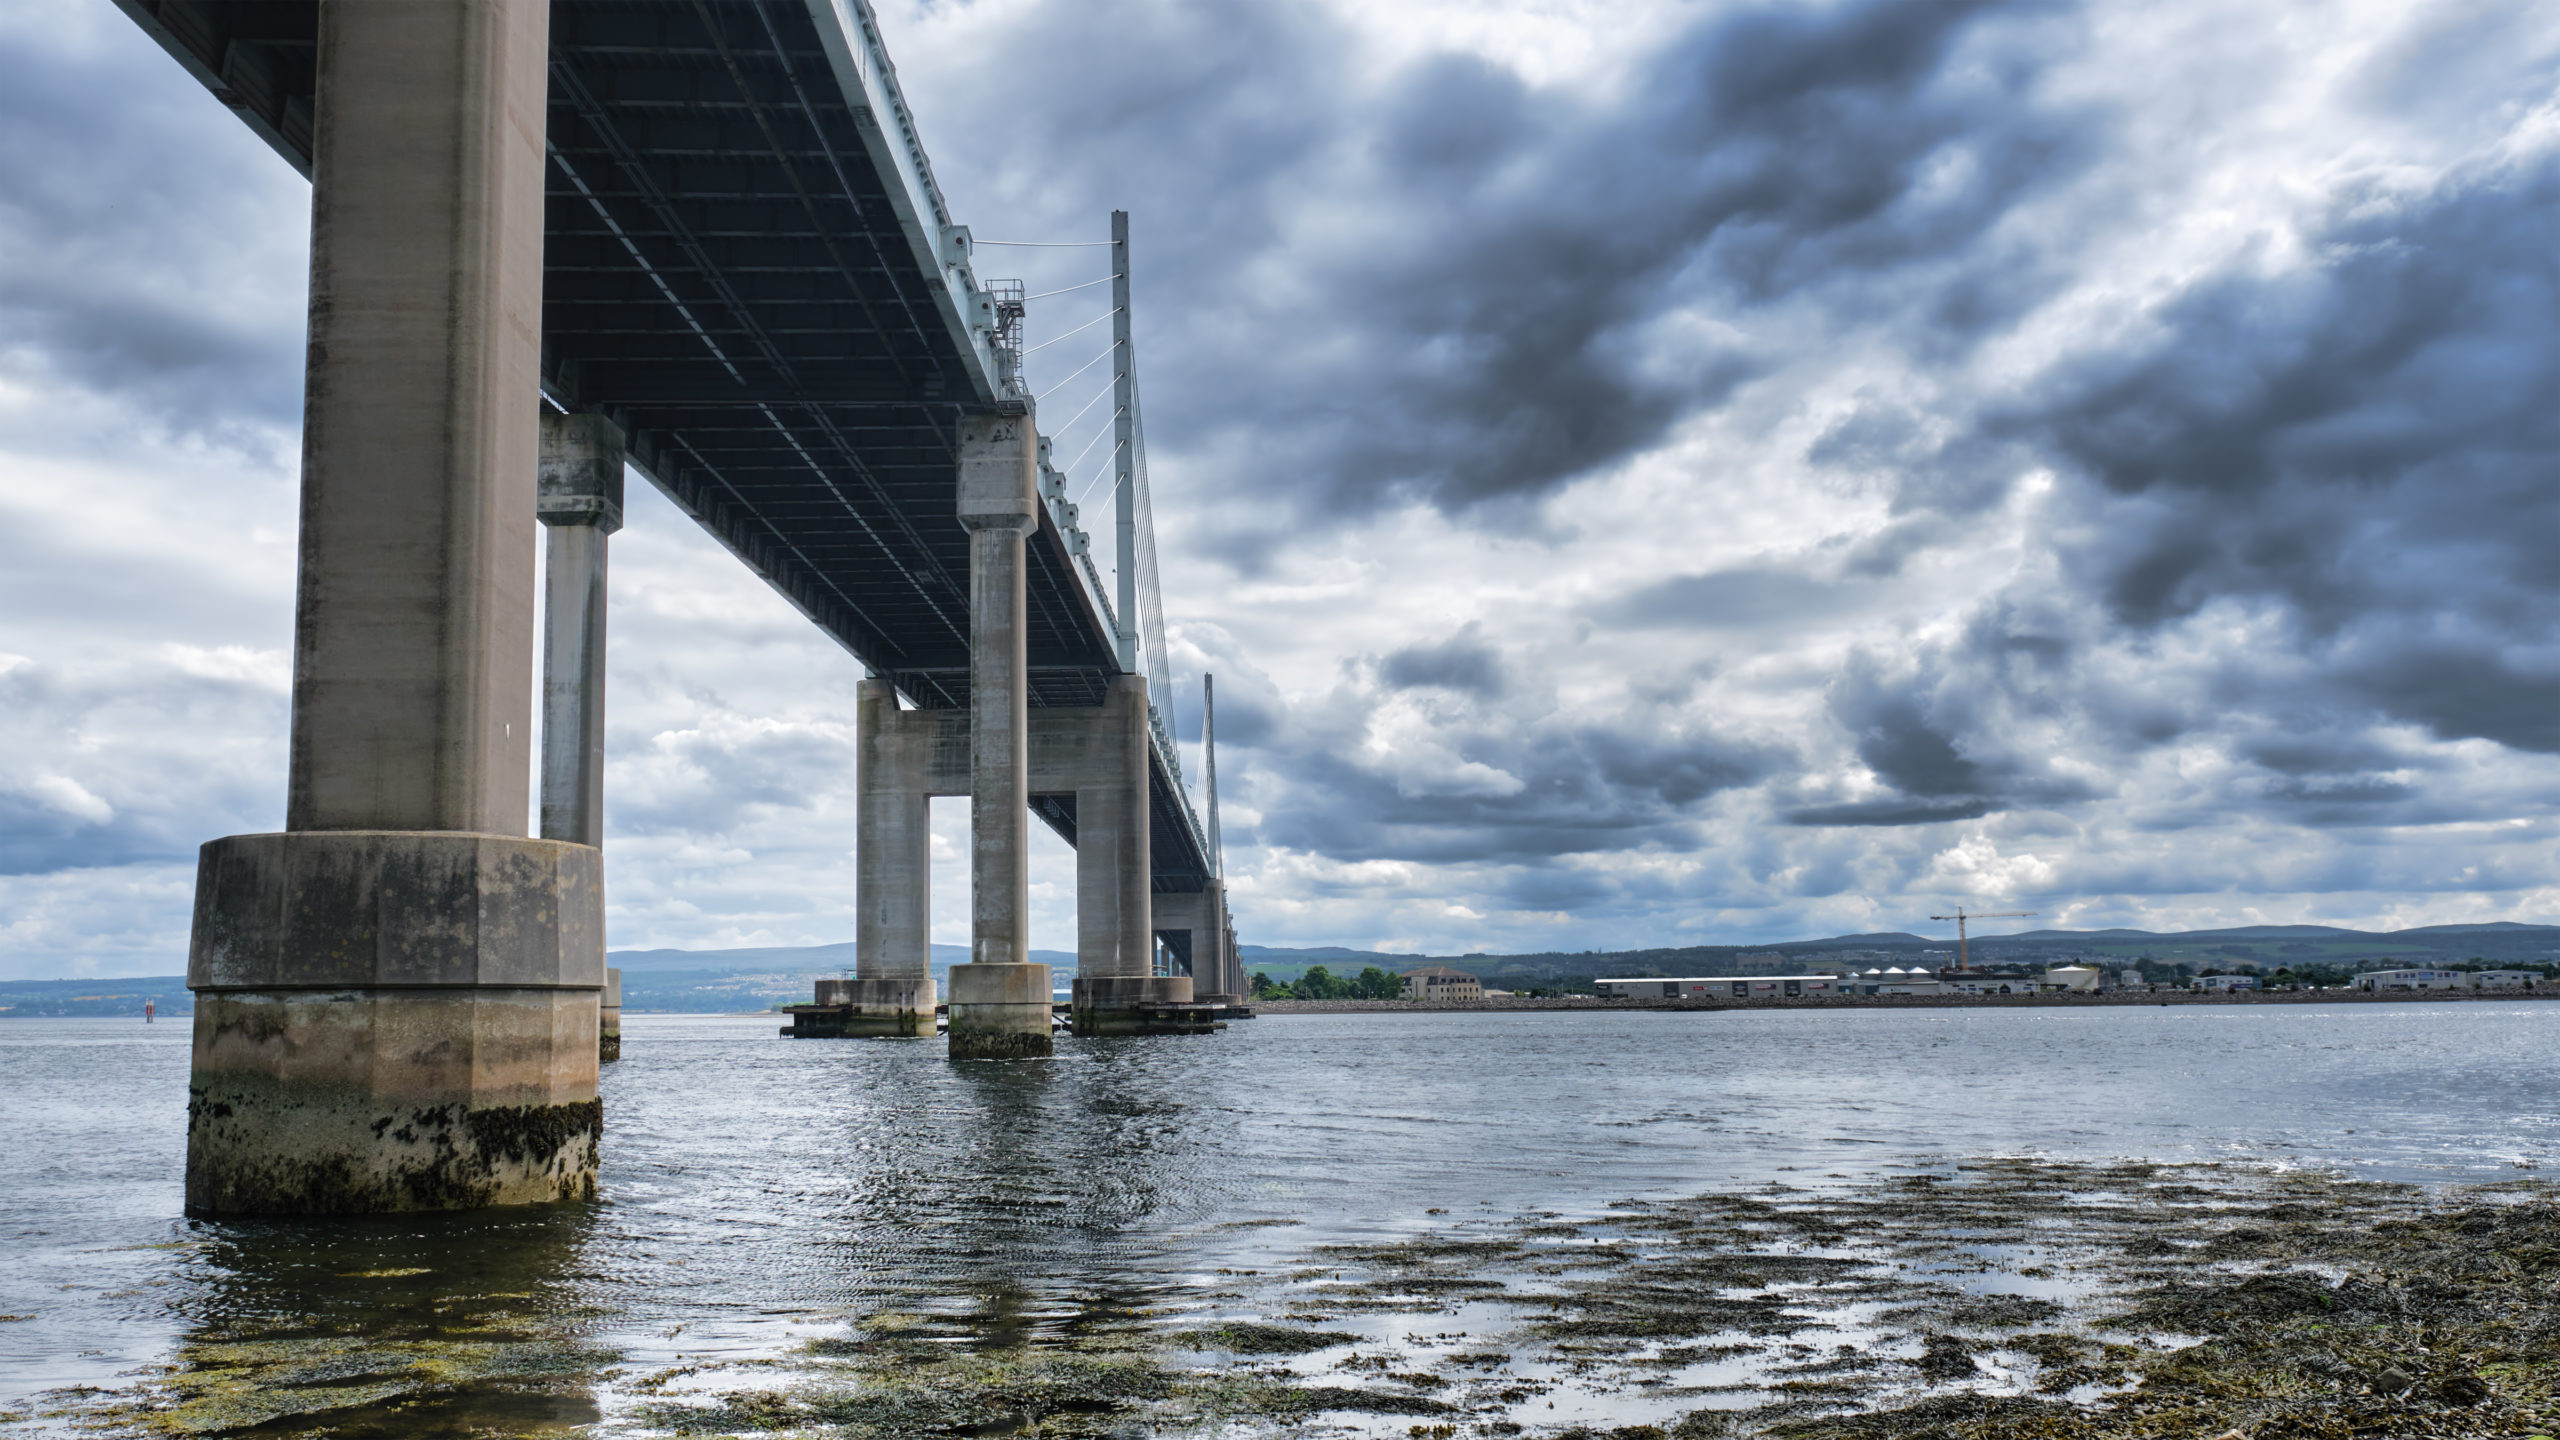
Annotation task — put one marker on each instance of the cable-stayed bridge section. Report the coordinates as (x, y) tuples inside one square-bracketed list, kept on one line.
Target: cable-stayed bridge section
[(701, 239)]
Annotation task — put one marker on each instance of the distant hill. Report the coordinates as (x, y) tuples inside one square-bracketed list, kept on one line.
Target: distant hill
[(759, 977), (811, 958), (2266, 946), (96, 997), (698, 982)]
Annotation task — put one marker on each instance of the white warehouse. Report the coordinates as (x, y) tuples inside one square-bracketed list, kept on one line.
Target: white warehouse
[(2413, 980), (1722, 987)]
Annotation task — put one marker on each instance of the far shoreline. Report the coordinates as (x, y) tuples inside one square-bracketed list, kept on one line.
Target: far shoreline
[(1907, 1002)]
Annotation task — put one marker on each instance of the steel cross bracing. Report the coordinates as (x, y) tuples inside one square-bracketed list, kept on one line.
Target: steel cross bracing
[(747, 266)]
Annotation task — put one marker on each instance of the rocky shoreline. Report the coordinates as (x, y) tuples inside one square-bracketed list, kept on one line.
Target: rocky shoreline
[(1914, 1002), (2000, 1299)]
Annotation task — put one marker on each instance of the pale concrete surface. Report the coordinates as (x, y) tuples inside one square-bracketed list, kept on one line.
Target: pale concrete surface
[(1115, 932), (580, 504), (1202, 917), (1000, 1012), (413, 636), (1112, 1004), (394, 1020), (338, 908), (399, 999), (609, 1017), (893, 864), (340, 1102), (998, 503), (897, 1008)]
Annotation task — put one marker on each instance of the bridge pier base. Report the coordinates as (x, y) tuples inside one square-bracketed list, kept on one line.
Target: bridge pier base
[(1000, 1012), (393, 1021), (399, 995)]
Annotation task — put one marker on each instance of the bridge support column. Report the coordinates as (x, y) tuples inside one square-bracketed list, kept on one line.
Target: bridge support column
[(609, 1017), (1000, 1003), (1214, 976), (1115, 926), (578, 498), (1200, 918), (398, 997), (891, 993)]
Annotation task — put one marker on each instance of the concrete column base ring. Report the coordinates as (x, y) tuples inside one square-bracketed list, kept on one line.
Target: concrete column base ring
[(1000, 1012), (394, 1020)]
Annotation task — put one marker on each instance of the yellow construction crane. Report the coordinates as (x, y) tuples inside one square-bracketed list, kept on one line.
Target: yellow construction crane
[(1964, 953)]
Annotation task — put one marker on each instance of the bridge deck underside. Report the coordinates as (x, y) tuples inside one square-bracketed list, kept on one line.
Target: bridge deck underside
[(727, 274)]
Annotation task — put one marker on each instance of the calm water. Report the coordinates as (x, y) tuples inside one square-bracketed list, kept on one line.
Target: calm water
[(759, 1191)]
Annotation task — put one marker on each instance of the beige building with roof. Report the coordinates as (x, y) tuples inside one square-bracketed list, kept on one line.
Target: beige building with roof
[(1441, 982)]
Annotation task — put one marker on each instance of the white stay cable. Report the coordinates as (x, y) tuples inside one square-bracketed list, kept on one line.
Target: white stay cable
[(1089, 364), (1071, 289), (1106, 464), (1089, 324), (1072, 419)]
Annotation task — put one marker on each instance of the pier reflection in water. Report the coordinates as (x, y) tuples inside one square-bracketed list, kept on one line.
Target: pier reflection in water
[(764, 1196), (420, 1325)]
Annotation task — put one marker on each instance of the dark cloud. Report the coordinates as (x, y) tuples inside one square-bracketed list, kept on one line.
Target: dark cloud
[(1748, 599), (1499, 318), (2464, 693), (2307, 435), (1506, 786), (1890, 812), (138, 268), (1770, 153), (1464, 662), (1946, 734)]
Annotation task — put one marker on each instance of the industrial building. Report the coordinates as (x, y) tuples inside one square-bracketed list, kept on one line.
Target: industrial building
[(1722, 987), (2413, 980), (1894, 980)]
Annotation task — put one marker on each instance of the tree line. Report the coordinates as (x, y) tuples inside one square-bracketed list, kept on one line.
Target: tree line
[(1322, 984)]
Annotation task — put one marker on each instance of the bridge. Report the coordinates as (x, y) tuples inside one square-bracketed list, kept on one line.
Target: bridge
[(699, 239)]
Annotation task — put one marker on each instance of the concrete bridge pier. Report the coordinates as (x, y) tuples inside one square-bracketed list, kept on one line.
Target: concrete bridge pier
[(1201, 918), (609, 1017), (1000, 1003), (1115, 926), (892, 991), (397, 997), (578, 498), (579, 501)]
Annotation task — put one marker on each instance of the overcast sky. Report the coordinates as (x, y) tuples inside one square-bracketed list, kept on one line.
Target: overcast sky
[(1642, 473)]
